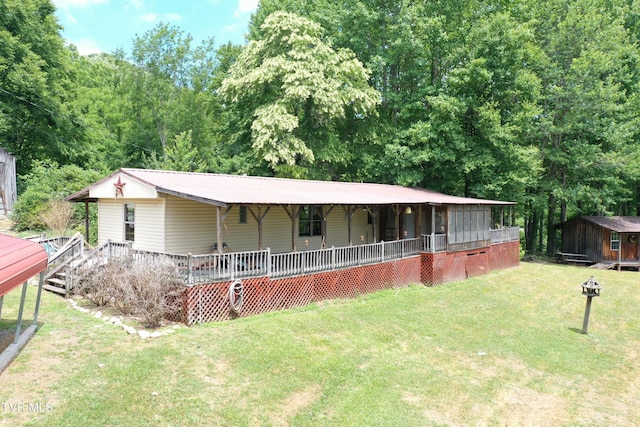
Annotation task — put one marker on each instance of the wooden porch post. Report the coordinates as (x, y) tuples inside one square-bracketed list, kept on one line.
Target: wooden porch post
[(433, 222), (294, 214), (397, 225), (620, 251), (325, 214), (349, 213), (418, 222), (259, 219), (374, 220), (86, 221), (219, 228)]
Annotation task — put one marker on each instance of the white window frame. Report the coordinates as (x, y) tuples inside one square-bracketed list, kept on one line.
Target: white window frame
[(615, 241), (129, 224)]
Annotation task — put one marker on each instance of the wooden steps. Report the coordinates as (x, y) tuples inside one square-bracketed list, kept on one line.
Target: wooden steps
[(55, 289), (56, 283)]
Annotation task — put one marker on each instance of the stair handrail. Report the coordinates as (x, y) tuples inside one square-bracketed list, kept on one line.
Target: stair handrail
[(95, 254), (71, 250)]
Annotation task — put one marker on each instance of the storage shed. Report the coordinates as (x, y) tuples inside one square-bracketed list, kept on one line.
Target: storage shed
[(8, 191), (609, 240)]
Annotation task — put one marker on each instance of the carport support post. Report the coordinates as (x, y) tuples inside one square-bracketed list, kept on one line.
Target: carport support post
[(1, 301), (22, 299), (37, 309)]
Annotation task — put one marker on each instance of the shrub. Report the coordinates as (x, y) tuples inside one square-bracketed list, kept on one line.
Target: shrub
[(146, 289), (45, 182), (97, 283), (57, 216)]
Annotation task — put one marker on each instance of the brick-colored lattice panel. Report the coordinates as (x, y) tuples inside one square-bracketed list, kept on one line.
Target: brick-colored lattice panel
[(207, 303), (210, 302), (443, 267), (505, 255)]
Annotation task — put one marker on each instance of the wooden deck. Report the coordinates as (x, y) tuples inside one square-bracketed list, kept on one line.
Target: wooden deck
[(612, 265)]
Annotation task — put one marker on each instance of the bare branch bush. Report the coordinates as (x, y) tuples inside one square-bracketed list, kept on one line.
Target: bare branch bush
[(148, 289), (153, 289), (99, 284), (57, 216)]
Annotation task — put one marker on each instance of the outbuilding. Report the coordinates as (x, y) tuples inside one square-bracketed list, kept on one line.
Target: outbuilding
[(607, 240)]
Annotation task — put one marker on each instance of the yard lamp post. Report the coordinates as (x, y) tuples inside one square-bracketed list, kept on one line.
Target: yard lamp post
[(591, 289)]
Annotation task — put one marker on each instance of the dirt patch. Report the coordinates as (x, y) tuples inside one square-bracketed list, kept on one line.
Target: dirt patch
[(295, 403), (6, 338)]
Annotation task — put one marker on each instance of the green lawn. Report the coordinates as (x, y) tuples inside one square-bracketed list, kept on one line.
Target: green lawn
[(502, 349)]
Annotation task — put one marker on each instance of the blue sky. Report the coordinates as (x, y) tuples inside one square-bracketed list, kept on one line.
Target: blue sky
[(106, 25)]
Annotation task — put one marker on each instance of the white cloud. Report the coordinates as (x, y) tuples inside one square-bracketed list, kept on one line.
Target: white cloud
[(149, 17), (66, 4), (136, 4), (71, 19), (87, 46), (246, 6), (172, 17), (167, 17)]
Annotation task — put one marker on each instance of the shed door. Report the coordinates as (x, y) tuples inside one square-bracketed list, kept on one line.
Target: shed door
[(629, 245)]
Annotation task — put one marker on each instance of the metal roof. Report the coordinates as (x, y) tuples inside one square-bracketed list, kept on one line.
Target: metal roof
[(224, 190), (20, 260), (620, 224)]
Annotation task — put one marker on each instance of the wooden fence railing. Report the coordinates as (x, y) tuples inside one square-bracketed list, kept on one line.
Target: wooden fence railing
[(209, 268), (503, 235)]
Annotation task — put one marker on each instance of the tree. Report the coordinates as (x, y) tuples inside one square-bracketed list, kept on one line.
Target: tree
[(36, 121), (296, 88), (46, 182), (179, 156), (585, 131), (170, 91)]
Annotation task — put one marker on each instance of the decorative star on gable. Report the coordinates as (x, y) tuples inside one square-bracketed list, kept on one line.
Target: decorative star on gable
[(119, 187)]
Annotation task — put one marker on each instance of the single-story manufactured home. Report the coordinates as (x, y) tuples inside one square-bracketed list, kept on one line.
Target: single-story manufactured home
[(609, 241), (245, 227)]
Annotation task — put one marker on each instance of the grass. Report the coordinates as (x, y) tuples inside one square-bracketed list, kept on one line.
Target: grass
[(501, 349)]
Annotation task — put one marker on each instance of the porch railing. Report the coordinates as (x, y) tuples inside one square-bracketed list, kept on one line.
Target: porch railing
[(503, 235), (208, 268), (434, 242)]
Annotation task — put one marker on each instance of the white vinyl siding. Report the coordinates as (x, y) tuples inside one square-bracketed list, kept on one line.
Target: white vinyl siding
[(110, 218), (179, 226), (190, 226), (149, 222)]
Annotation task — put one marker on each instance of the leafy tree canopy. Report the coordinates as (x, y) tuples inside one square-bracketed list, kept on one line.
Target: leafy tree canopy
[(295, 86)]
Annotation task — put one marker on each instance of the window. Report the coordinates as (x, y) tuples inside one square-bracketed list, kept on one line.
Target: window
[(310, 221), (243, 214), (129, 222), (615, 241)]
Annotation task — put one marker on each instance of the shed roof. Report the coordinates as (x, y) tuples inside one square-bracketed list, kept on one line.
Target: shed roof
[(620, 224), (224, 190), (20, 260)]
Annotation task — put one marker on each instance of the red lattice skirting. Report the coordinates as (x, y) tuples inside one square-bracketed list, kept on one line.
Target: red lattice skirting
[(444, 267), (207, 303)]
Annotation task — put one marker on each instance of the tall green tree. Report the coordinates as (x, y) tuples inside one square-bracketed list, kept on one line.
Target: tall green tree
[(585, 131), (36, 118), (297, 89), (169, 91)]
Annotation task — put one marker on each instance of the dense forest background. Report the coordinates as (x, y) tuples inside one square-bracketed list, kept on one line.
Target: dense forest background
[(535, 102)]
